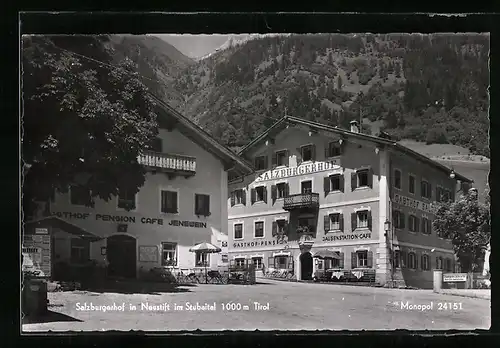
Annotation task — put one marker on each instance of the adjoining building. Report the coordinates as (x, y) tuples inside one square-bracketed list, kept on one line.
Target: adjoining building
[(361, 197), (183, 202)]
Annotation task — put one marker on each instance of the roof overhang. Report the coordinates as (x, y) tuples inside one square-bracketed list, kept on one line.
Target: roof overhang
[(171, 117), (286, 121)]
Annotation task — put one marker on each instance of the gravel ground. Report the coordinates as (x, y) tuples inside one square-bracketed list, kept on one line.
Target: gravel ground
[(292, 306)]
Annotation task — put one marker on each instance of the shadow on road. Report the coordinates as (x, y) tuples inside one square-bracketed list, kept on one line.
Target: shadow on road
[(48, 317), (132, 287)]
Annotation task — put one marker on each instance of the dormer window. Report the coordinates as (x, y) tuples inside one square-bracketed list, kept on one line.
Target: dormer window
[(260, 163)]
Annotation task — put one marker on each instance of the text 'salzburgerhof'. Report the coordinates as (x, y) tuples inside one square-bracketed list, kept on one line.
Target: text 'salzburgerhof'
[(173, 307)]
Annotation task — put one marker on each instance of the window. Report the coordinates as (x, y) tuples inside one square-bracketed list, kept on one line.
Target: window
[(412, 264), (442, 195), (448, 265), (281, 190), (80, 250), (439, 262), (426, 226), (307, 153), (399, 219), (413, 223), (397, 259), (201, 204), (257, 262), (362, 257), (168, 254), (362, 219), (260, 163), (411, 184), (201, 259), (334, 222), (426, 191), (279, 227), (239, 262), (238, 231), (281, 158), (361, 178), (397, 179), (334, 263), (127, 200), (169, 202), (334, 149), (306, 186), (260, 193), (79, 195), (156, 145), (259, 229), (224, 258), (425, 262), (280, 262), (336, 182), (307, 222), (238, 197)]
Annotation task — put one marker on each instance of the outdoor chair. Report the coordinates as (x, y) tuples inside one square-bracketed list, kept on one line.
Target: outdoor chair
[(214, 277), (269, 272)]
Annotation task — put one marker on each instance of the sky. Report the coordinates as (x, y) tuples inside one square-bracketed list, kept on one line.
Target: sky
[(195, 46)]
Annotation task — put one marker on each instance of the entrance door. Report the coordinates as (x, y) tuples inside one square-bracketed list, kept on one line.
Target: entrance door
[(306, 266), (121, 254)]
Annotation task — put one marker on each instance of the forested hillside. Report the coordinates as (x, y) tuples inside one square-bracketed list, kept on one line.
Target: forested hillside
[(430, 88)]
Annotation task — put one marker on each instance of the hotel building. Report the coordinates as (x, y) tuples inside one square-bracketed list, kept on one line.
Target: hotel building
[(182, 203), (363, 197)]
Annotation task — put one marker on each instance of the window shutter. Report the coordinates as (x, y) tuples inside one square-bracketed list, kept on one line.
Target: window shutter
[(163, 203), (327, 150), (370, 259), (423, 225), (402, 220), (354, 221), (341, 222), (354, 181), (326, 221), (299, 155), (275, 159), (252, 194), (287, 158), (275, 228), (430, 190), (417, 224), (354, 260), (244, 196), (416, 260), (341, 261), (422, 262), (437, 262), (429, 229), (422, 188), (265, 194), (206, 205), (370, 177), (341, 182), (270, 262), (273, 193), (196, 205), (369, 213), (313, 152), (233, 199), (287, 190), (326, 184)]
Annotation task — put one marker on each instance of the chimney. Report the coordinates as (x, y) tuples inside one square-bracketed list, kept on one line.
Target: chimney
[(354, 126)]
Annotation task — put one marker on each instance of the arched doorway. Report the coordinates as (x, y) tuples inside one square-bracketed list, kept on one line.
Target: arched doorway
[(306, 266), (121, 253)]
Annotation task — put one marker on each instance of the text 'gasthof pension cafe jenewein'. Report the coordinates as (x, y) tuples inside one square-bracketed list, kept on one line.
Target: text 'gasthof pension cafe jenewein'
[(361, 197), (182, 202)]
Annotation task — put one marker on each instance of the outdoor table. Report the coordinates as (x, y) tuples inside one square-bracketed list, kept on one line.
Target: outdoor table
[(358, 273), (335, 273)]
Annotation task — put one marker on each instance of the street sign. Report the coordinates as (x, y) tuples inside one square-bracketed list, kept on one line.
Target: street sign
[(454, 277)]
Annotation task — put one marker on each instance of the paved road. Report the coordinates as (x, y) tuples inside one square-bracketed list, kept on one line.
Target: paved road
[(292, 306)]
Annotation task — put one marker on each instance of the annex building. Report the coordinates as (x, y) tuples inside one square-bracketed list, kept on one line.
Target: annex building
[(365, 198), (183, 202)]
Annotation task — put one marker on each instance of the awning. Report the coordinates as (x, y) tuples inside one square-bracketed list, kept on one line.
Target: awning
[(56, 222), (327, 254)]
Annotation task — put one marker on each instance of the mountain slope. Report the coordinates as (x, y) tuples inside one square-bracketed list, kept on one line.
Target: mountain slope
[(425, 88), (158, 62)]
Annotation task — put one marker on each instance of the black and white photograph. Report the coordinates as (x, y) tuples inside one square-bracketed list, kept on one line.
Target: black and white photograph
[(323, 181)]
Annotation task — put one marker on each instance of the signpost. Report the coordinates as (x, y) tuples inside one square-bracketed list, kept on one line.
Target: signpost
[(454, 277), (36, 252)]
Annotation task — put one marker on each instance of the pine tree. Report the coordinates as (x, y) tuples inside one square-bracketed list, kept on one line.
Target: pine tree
[(339, 83)]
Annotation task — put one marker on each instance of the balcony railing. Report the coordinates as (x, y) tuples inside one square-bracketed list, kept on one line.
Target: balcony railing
[(168, 162), (301, 200)]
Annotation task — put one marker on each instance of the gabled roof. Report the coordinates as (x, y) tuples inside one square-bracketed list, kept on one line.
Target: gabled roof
[(202, 138), (279, 125)]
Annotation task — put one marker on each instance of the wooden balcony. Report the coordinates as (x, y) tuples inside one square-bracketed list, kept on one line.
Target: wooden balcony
[(168, 163), (301, 201)]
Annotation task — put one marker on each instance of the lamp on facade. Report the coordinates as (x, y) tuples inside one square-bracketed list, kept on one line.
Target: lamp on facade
[(452, 174), (387, 226)]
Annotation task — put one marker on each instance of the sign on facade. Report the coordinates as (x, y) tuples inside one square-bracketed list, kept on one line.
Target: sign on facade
[(412, 203), (148, 253), (303, 169), (36, 253), (454, 277)]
